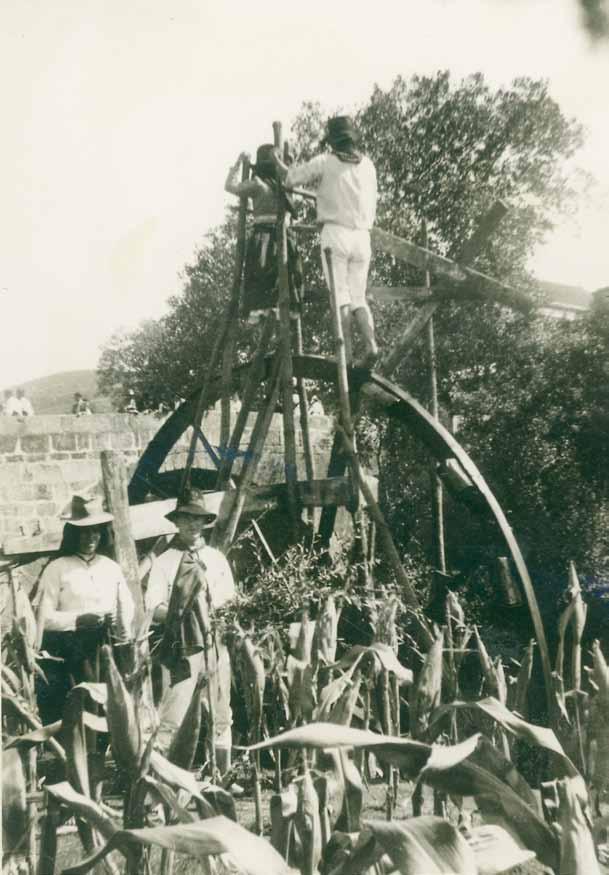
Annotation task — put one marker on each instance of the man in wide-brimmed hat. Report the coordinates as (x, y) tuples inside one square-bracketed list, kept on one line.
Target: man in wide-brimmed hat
[(78, 600), (346, 208), (186, 583)]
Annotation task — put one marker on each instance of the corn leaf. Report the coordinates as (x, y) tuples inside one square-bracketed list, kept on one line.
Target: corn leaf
[(186, 737), (495, 850), (250, 854), (383, 654), (83, 807), (495, 798), (174, 775), (125, 729), (353, 795), (425, 846), (577, 851), (333, 691)]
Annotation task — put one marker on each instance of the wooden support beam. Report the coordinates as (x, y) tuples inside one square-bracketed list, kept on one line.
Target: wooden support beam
[(254, 378), (402, 294), (114, 475), (234, 500), (419, 257), (400, 349), (479, 285)]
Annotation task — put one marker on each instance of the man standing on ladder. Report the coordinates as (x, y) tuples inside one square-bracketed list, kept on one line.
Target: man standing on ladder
[(346, 208)]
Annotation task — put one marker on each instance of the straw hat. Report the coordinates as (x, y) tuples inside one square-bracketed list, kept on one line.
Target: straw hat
[(86, 512)]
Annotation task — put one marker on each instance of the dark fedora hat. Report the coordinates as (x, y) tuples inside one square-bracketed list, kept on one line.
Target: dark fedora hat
[(340, 129), (205, 506)]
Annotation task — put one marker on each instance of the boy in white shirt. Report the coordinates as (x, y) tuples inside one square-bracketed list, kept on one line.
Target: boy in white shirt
[(346, 208)]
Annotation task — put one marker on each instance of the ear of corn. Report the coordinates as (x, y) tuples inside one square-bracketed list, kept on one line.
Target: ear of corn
[(324, 639), (125, 733), (599, 723), (428, 688), (253, 679), (308, 824), (302, 689), (347, 772), (521, 687)]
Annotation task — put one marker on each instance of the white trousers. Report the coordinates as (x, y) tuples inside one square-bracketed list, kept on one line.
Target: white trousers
[(351, 254)]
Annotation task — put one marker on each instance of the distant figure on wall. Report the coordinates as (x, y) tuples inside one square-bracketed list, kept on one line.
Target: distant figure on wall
[(131, 404), (78, 408), (17, 405)]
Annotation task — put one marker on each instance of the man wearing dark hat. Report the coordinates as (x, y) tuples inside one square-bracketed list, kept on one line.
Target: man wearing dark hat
[(186, 583), (346, 208)]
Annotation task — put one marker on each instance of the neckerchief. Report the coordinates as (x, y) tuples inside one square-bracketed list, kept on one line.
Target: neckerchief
[(347, 157), (187, 623)]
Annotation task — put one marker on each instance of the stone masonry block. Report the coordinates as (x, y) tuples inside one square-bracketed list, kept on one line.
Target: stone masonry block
[(123, 440), (48, 473), (45, 508), (8, 443), (102, 441), (64, 443), (83, 441), (34, 443)]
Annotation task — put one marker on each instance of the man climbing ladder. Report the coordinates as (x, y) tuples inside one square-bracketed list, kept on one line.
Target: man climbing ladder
[(346, 208)]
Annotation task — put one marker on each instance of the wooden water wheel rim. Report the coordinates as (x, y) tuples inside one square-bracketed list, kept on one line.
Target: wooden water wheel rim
[(398, 404)]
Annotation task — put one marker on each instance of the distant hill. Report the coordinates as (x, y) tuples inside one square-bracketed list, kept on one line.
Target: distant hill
[(55, 393)]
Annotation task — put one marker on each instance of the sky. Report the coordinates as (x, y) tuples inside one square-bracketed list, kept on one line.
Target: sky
[(121, 117)]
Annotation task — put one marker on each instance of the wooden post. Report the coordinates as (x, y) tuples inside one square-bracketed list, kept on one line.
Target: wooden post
[(303, 401), (233, 502), (287, 374), (114, 476), (437, 497), (228, 352)]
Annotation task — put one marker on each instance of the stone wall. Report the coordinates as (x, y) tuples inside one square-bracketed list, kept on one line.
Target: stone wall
[(46, 459)]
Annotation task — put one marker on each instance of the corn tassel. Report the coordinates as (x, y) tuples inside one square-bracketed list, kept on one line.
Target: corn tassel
[(123, 723)]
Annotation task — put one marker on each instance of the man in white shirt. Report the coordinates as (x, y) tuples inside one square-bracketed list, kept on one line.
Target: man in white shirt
[(25, 405), (12, 406), (190, 567), (346, 208)]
